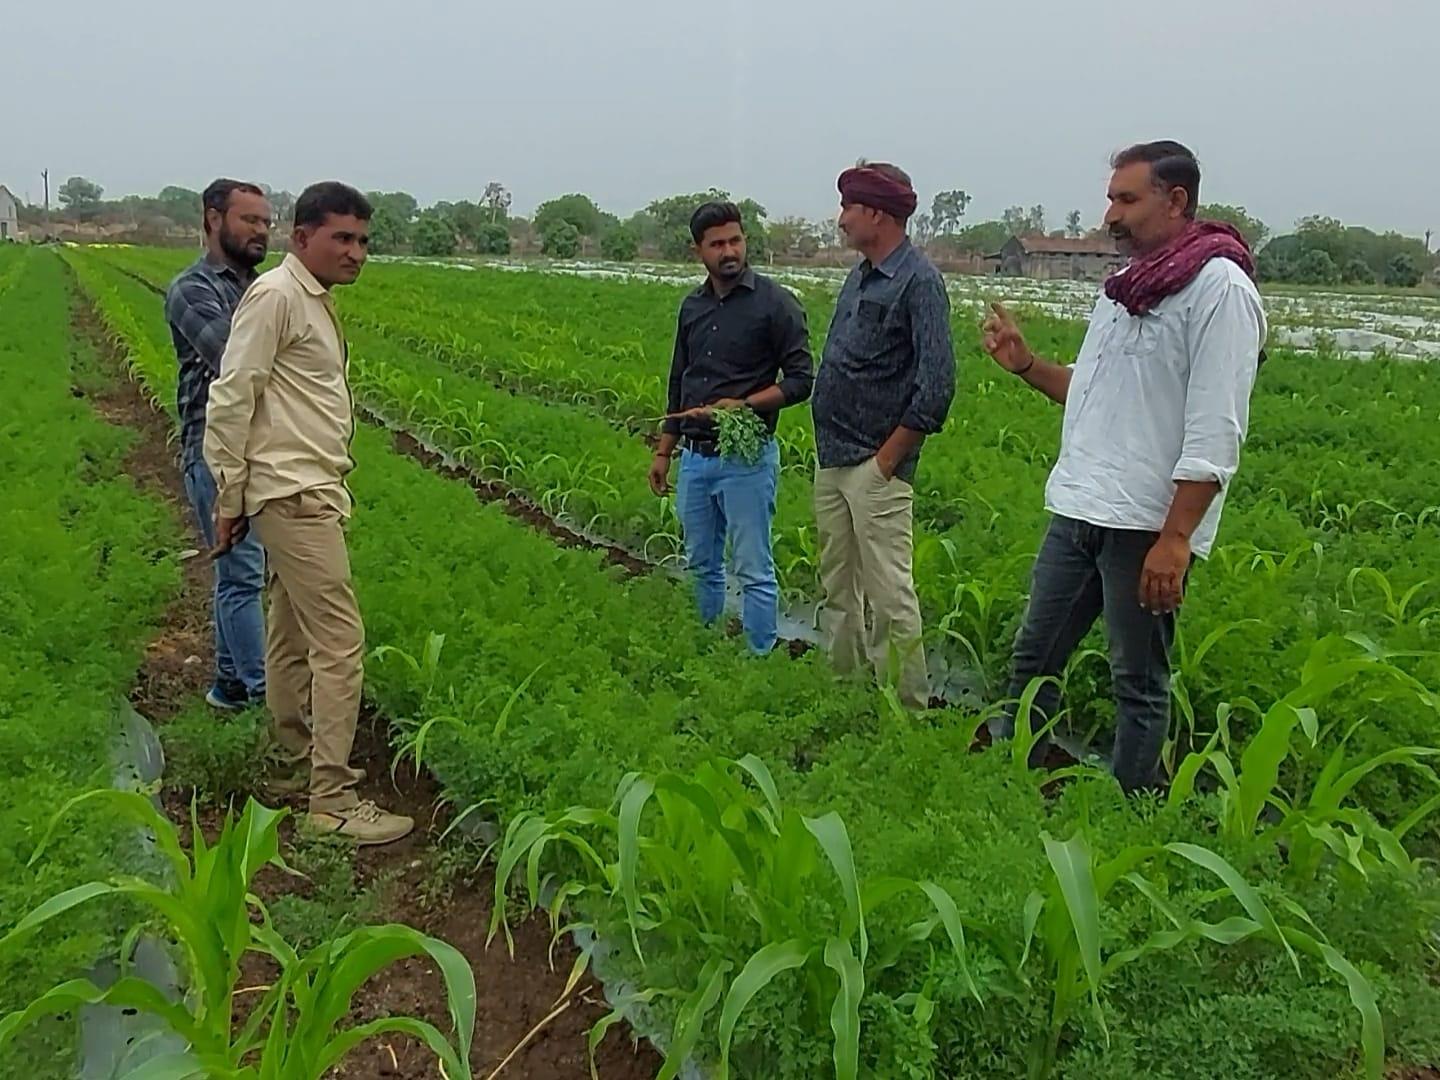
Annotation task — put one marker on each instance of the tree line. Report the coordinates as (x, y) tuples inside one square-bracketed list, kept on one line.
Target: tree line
[(1321, 250)]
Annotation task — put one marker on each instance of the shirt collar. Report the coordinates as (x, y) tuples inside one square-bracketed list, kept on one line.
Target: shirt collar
[(307, 280), (890, 265), (747, 281), (218, 268)]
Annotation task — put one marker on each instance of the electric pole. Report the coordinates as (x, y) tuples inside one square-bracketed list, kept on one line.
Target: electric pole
[(45, 175)]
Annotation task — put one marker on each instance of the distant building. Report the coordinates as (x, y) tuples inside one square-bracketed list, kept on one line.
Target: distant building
[(1084, 258), (9, 215)]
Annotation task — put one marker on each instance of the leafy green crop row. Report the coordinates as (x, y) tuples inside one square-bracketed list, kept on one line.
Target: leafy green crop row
[(1106, 950), (84, 577)]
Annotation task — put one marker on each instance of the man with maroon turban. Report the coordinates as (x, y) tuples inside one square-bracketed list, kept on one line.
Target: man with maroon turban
[(885, 382), (1156, 407)]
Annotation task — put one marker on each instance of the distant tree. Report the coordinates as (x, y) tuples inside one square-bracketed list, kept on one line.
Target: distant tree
[(1252, 228), (434, 235), (1316, 267), (922, 228), (792, 236), (467, 217), (179, 204), (672, 224), (492, 239), (946, 211), (1274, 264), (389, 232), (982, 238), (80, 195), (282, 208), (400, 203), (1020, 222), (561, 240), (577, 210), (620, 243), (1403, 272), (497, 201), (1357, 272), (1073, 228)]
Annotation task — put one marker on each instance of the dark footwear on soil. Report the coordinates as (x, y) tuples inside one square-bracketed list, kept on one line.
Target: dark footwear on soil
[(228, 697), (366, 824)]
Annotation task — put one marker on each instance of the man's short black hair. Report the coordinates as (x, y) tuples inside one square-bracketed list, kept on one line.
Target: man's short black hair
[(319, 201), (217, 197), (1171, 164), (713, 214)]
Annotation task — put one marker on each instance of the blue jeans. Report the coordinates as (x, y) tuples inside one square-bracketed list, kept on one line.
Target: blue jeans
[(1082, 572), (720, 499), (239, 581)]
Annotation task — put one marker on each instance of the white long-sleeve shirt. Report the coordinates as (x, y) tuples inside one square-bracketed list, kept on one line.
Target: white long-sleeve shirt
[(1157, 398)]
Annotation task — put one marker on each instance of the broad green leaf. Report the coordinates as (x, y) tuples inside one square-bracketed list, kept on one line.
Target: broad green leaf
[(759, 971), (457, 1065), (1075, 876), (834, 840), (845, 1013), (1249, 899), (760, 772), (631, 807), (691, 1016)]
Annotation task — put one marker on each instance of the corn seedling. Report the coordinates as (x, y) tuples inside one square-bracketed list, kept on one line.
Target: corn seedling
[(297, 1030)]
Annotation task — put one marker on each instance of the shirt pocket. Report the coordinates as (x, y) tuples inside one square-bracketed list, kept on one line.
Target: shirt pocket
[(1143, 337), (872, 327)]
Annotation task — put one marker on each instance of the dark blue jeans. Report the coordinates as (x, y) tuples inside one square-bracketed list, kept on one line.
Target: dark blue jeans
[(239, 581), (1082, 572)]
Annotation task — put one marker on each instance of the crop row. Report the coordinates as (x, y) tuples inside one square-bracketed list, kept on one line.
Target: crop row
[(83, 587), (1322, 535), (1097, 955)]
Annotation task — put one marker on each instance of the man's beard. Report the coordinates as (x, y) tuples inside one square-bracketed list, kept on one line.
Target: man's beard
[(240, 254)]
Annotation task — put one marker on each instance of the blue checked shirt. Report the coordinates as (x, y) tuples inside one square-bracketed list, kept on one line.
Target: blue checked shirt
[(199, 306)]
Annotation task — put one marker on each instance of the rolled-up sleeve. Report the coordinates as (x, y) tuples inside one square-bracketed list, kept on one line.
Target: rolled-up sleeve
[(792, 346), (934, 356), (1226, 332), (244, 373)]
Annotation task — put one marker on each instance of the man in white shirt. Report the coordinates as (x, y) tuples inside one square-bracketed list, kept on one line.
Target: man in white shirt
[(1156, 407)]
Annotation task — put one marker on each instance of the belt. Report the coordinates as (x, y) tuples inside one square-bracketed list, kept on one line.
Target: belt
[(703, 447)]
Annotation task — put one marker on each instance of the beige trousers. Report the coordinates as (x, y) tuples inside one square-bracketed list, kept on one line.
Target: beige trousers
[(866, 549), (315, 647)]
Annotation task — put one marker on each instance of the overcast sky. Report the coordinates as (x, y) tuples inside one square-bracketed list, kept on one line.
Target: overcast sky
[(1294, 106)]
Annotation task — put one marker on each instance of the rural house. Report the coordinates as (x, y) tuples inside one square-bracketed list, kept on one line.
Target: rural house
[(9, 215), (1087, 258)]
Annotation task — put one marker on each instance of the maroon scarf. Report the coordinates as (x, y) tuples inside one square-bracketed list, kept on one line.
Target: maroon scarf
[(1151, 278)]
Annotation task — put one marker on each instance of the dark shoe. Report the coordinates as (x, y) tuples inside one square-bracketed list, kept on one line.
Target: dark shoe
[(228, 697)]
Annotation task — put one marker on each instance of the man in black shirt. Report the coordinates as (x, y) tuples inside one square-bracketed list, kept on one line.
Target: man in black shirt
[(741, 343)]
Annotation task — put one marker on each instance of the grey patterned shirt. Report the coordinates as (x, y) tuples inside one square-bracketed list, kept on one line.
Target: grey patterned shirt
[(888, 361)]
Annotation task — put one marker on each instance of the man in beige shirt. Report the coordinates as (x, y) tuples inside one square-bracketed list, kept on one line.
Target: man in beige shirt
[(277, 439)]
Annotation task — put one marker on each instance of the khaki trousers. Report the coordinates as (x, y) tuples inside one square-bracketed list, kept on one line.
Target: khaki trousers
[(866, 550), (315, 644)]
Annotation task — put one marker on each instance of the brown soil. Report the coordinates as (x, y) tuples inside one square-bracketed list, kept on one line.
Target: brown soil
[(514, 996)]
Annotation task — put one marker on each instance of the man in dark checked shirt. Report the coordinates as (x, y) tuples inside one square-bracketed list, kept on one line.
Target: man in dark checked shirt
[(885, 382), (741, 343), (199, 305)]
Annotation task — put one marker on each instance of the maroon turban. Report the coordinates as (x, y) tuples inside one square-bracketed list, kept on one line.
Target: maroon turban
[(870, 187)]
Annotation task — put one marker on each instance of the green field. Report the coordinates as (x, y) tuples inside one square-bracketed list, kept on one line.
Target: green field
[(899, 904)]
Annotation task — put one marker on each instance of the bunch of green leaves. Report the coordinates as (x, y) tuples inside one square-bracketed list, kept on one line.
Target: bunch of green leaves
[(740, 434), (297, 1030)]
